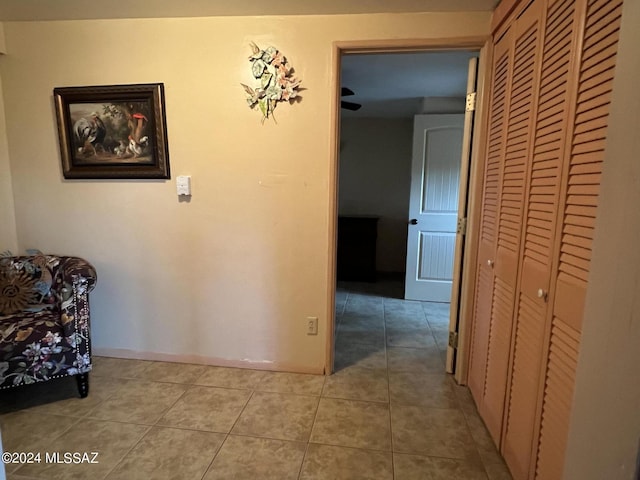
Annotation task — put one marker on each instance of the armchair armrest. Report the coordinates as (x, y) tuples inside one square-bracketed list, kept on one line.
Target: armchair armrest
[(71, 267), (73, 279)]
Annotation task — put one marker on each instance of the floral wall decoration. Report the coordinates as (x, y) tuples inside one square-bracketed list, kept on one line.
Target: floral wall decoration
[(276, 82)]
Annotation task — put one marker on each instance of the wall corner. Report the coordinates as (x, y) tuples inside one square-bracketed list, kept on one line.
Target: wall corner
[(3, 43)]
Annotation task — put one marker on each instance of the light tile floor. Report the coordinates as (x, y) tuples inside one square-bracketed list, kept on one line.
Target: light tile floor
[(389, 411)]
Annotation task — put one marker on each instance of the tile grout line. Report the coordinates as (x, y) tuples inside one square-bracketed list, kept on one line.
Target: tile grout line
[(346, 299), (351, 447), (313, 424), (475, 442), (384, 318), (433, 335), (188, 387), (344, 308), (164, 412), (336, 324), (78, 419), (149, 428), (227, 434), (458, 401)]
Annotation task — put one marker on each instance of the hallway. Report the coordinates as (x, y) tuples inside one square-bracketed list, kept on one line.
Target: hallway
[(393, 351)]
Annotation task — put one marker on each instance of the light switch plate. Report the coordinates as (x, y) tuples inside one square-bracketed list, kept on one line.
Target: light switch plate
[(183, 184)]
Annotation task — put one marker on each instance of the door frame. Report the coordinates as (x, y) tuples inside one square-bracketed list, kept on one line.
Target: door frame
[(340, 48)]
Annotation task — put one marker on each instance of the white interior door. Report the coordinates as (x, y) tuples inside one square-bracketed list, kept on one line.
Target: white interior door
[(433, 206)]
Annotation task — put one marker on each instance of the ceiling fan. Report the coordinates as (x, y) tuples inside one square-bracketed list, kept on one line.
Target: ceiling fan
[(347, 92)]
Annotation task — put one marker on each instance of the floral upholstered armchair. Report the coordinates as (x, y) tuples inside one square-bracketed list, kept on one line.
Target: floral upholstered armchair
[(44, 319)]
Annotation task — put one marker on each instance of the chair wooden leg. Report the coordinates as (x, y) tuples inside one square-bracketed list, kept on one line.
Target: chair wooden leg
[(83, 384)]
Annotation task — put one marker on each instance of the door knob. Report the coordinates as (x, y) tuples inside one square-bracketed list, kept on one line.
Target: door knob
[(490, 263), (542, 294), (413, 221)]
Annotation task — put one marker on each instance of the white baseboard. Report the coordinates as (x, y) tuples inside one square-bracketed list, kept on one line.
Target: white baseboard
[(206, 360)]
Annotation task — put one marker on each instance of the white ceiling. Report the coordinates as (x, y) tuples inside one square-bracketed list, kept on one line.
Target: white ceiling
[(25, 10), (395, 84)]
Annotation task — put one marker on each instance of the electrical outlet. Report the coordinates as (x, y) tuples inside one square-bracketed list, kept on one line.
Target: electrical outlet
[(312, 325)]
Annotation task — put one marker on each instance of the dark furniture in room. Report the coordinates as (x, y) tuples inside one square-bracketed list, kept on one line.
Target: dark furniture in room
[(357, 235)]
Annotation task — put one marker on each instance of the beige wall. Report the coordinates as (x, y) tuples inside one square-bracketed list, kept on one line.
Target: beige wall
[(8, 238), (375, 173), (604, 439), (230, 276)]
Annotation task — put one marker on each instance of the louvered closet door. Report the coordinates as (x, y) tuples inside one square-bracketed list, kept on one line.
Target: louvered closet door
[(540, 221), (526, 33), (579, 204), (489, 220)]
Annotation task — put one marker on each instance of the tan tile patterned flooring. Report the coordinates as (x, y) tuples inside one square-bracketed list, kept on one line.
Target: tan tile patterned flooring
[(389, 411)]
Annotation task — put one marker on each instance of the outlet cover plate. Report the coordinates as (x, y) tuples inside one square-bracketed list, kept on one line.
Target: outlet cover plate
[(312, 325)]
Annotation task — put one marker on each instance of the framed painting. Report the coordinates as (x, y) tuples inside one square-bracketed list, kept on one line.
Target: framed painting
[(113, 131)]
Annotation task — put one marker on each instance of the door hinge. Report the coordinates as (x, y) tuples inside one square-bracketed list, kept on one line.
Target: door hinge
[(471, 102), (453, 339), (462, 226)]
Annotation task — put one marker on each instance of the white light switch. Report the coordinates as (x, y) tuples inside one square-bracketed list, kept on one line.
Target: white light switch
[(183, 184)]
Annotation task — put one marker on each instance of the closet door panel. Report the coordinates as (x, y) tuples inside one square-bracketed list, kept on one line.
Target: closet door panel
[(480, 335), (498, 357), (558, 394), (495, 149), (579, 208), (526, 32), (587, 151), (544, 177), (489, 220), (521, 413)]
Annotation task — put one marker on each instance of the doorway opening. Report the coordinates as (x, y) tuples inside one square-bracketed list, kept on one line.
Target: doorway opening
[(386, 98)]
